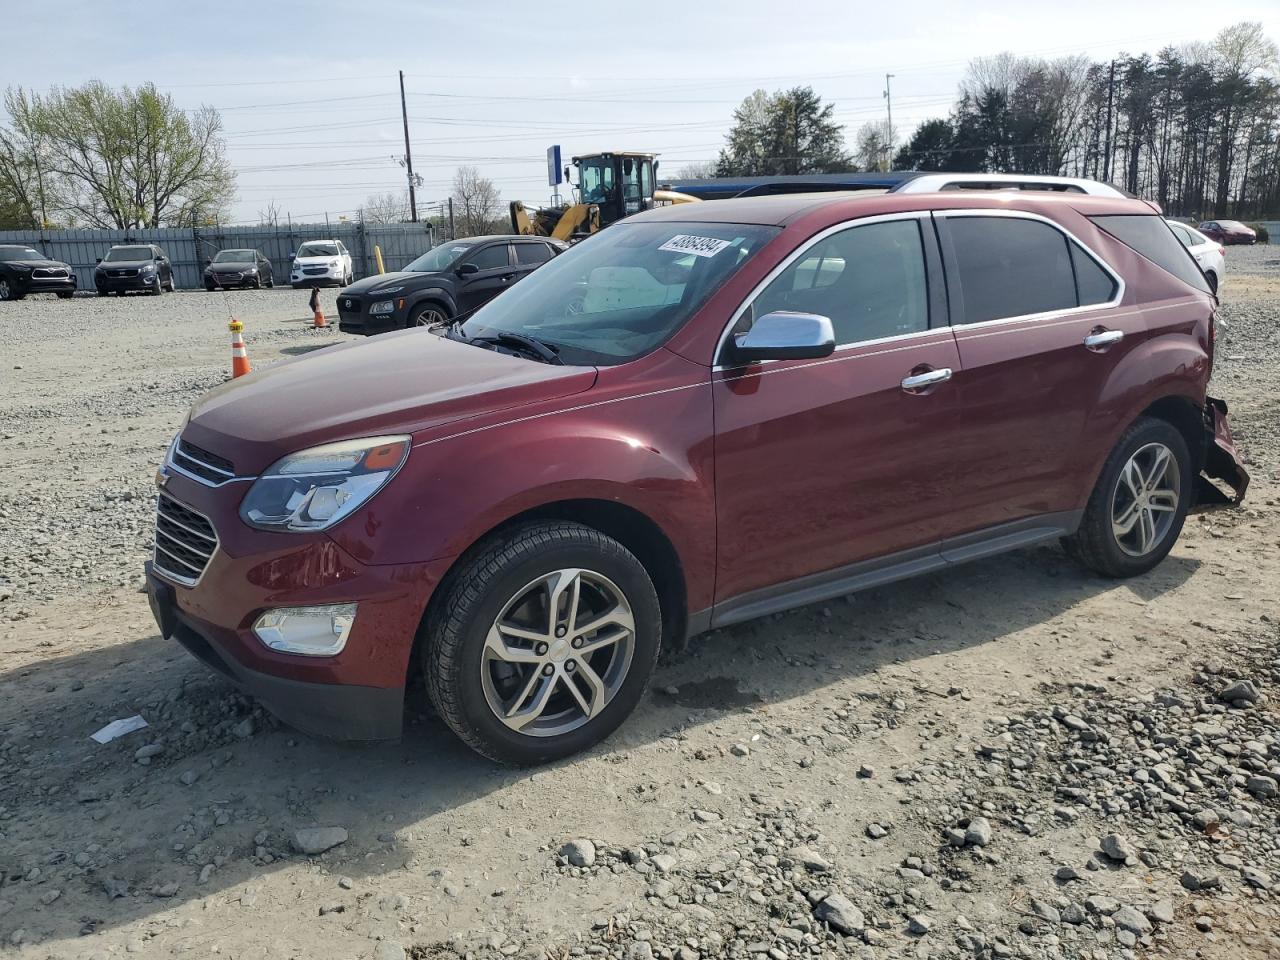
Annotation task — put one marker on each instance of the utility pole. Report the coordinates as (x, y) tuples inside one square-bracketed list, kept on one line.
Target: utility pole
[(408, 155), (888, 99), (453, 231), (1106, 149)]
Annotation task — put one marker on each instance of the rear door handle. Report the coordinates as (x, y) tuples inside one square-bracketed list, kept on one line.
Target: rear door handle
[(1103, 338), (927, 379)]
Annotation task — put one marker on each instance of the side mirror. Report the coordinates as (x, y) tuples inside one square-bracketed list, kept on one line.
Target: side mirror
[(97, 259), (207, 261), (293, 255), (467, 270), (783, 335)]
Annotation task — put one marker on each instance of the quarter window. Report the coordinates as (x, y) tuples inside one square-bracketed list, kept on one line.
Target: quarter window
[(869, 280), (490, 258), (1093, 284), (1151, 236)]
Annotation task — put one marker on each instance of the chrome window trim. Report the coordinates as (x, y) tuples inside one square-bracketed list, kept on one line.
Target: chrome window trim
[(795, 255), (171, 575), (1071, 238)]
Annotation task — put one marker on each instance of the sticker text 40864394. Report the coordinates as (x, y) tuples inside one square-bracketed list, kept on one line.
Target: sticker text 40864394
[(698, 246)]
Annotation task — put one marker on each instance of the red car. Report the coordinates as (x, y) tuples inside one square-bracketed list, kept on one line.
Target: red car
[(1228, 232), (707, 413)]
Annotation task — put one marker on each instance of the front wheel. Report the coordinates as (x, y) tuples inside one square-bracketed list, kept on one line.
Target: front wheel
[(543, 643), (66, 294), (429, 315), (1140, 502)]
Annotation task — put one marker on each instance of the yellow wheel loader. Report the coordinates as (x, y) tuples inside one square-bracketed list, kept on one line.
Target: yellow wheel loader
[(610, 186)]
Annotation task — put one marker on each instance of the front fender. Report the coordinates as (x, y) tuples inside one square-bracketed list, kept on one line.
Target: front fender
[(437, 294), (652, 453)]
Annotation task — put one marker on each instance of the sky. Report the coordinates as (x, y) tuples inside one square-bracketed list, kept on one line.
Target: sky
[(309, 91)]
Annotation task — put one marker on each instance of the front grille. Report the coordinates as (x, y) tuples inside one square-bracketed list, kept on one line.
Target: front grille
[(209, 467), (49, 273), (348, 304), (313, 271), (124, 273), (185, 540)]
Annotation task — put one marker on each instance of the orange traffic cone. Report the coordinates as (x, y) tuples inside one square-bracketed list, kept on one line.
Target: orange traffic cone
[(320, 322), (239, 356)]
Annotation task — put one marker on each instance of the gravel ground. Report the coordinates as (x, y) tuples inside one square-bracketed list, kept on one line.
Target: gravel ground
[(1012, 759)]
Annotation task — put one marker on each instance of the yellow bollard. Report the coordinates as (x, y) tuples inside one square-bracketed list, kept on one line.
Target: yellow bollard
[(377, 255)]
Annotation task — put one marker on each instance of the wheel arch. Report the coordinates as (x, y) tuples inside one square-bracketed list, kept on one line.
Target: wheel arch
[(436, 295), (631, 527), (1187, 417)]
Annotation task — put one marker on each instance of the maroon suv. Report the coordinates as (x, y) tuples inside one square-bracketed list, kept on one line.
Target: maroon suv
[(1228, 232), (704, 414)]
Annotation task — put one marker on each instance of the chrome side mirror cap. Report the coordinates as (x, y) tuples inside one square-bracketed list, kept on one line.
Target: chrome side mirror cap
[(783, 335)]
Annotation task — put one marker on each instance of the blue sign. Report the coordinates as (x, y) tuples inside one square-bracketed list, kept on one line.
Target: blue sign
[(555, 170)]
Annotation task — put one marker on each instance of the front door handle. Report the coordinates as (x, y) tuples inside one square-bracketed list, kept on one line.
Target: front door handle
[(927, 379), (1099, 339)]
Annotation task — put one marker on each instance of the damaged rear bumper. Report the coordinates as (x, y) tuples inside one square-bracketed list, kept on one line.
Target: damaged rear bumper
[(1221, 461)]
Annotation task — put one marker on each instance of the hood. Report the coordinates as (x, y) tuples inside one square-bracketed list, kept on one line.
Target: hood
[(327, 258), (223, 265), (36, 264), (402, 382), (380, 282), (124, 264)]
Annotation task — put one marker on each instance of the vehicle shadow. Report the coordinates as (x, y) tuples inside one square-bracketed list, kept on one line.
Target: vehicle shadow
[(61, 794)]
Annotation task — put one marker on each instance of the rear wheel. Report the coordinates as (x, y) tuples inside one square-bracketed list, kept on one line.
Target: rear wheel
[(7, 290), (543, 642), (1138, 507), (158, 289)]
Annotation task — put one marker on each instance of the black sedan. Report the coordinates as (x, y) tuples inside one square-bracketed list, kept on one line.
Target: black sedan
[(26, 270), (238, 268), (445, 284)]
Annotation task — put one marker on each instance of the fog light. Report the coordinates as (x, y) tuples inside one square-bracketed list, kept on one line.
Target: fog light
[(309, 631)]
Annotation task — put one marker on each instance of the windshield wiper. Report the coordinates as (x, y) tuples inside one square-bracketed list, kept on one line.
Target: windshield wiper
[(530, 346)]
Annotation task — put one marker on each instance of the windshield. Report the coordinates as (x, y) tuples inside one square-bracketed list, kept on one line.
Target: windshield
[(19, 253), (116, 254), (595, 181), (623, 292), (235, 256), (318, 250), (439, 258), (1231, 225)]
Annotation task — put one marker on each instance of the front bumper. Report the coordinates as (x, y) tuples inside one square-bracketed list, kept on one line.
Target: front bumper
[(126, 284), (227, 281), (356, 694), (1222, 461), (300, 278), (359, 321), (49, 285)]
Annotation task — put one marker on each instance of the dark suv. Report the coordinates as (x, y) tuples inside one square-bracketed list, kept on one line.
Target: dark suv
[(134, 268), (706, 413), (446, 283), (25, 270)]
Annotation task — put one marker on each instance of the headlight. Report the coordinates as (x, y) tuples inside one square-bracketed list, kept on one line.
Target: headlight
[(250, 272), (315, 489), (383, 306), (310, 631), (148, 268)]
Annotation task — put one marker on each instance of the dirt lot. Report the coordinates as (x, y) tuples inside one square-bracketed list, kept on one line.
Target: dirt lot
[(1010, 759)]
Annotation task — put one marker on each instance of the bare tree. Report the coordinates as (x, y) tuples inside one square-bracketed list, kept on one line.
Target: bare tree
[(702, 170), (476, 202), (872, 144), (26, 192), (269, 215), (389, 207)]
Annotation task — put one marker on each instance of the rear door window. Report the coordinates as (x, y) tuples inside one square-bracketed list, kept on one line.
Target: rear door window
[(1150, 236), (1011, 267), (532, 253)]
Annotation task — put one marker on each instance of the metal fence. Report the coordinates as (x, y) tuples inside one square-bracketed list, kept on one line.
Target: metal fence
[(188, 248)]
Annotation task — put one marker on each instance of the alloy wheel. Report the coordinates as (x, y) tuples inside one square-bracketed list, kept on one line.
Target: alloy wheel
[(1145, 501), (430, 317), (558, 653), (5, 291)]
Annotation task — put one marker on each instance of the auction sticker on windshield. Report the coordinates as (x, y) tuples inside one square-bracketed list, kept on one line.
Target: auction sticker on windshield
[(698, 246)]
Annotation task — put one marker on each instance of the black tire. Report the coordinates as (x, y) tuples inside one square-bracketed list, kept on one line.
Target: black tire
[(209, 287), (173, 285), (271, 283), (8, 291), (257, 283), (476, 594), (158, 289), (1095, 544), (66, 294)]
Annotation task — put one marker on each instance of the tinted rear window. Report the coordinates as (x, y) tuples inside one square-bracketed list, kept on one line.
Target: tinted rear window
[(1152, 237), (532, 253), (1010, 267)]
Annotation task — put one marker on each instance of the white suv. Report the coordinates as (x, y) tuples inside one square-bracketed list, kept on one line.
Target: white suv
[(321, 262)]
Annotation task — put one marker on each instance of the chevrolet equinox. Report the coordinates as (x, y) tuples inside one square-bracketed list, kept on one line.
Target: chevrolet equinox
[(707, 413)]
